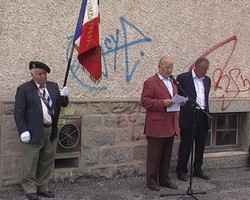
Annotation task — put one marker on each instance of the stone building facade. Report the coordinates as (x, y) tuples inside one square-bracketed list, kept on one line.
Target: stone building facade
[(105, 119), (110, 143)]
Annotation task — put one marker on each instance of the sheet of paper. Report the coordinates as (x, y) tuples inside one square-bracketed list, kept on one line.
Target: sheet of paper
[(176, 106)]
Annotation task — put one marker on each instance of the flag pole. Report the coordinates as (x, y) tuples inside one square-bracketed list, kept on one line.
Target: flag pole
[(72, 47), (64, 84), (65, 80), (68, 66), (67, 70)]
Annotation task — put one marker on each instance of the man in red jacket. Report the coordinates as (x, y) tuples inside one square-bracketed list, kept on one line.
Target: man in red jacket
[(160, 125)]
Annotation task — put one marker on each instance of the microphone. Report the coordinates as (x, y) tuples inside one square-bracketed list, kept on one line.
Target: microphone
[(174, 80)]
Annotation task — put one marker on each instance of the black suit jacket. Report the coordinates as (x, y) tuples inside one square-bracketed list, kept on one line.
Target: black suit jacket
[(28, 112), (186, 113)]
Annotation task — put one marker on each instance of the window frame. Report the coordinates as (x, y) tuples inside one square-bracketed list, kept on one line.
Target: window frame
[(213, 132)]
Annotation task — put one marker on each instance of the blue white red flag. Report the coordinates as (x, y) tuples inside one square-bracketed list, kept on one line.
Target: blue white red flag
[(86, 39)]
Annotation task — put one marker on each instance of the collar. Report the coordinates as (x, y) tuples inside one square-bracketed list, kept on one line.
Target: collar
[(194, 75), (38, 86), (161, 77)]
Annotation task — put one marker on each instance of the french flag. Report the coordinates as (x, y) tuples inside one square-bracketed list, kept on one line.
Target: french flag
[(86, 39)]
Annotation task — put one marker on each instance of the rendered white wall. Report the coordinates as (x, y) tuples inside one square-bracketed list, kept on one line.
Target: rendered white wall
[(143, 31)]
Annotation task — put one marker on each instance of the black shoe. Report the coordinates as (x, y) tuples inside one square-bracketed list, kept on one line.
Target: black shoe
[(32, 196), (201, 174), (47, 194), (153, 187), (182, 176)]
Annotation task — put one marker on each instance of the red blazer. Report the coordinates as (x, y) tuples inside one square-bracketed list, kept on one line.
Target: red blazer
[(158, 123)]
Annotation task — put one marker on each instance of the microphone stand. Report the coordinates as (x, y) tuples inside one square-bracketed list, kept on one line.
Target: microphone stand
[(195, 105)]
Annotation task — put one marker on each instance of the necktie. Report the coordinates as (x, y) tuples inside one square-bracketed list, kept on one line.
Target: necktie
[(47, 100)]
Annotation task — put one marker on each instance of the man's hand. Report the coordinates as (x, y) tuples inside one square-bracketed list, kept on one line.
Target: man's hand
[(64, 91), (25, 137), (168, 103)]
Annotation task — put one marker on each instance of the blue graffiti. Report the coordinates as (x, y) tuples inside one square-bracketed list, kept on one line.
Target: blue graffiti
[(111, 46)]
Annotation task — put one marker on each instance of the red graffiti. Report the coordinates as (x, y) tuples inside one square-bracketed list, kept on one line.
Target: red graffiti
[(227, 83), (130, 120)]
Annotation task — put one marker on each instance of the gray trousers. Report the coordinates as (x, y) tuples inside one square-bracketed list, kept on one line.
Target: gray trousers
[(37, 163)]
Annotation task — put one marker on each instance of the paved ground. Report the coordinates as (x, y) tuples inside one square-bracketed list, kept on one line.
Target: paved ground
[(228, 184)]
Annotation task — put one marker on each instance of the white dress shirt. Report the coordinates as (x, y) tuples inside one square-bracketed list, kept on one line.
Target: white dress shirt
[(168, 84), (200, 91), (46, 117)]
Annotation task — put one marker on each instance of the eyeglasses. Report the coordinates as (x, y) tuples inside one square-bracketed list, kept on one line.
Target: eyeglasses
[(167, 66)]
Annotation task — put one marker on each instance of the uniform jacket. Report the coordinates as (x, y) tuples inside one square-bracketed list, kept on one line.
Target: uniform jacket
[(28, 109), (159, 123), (187, 83)]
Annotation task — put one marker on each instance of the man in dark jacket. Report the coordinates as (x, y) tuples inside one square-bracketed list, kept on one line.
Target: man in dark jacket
[(196, 85), (37, 107)]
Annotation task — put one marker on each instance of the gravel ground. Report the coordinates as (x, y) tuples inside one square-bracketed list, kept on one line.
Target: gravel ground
[(228, 184)]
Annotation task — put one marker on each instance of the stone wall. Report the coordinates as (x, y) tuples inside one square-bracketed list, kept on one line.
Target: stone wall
[(111, 144), (10, 156)]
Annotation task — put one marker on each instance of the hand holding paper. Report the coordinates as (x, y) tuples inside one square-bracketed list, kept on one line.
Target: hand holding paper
[(178, 101)]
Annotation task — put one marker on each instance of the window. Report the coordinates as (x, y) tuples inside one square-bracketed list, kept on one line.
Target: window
[(224, 131)]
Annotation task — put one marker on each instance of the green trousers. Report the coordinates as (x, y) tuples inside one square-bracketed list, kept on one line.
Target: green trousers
[(37, 163)]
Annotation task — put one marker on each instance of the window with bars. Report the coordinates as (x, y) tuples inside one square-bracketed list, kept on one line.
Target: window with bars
[(224, 131)]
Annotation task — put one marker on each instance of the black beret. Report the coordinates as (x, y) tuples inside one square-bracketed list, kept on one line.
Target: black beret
[(36, 64)]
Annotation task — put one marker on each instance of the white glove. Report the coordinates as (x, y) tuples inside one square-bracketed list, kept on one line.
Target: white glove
[(64, 91), (25, 136)]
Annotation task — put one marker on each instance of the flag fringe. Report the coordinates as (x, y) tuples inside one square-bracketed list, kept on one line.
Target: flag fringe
[(96, 81)]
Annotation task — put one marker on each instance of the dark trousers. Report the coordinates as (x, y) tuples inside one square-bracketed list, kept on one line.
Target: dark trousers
[(159, 152), (199, 131)]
